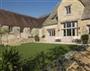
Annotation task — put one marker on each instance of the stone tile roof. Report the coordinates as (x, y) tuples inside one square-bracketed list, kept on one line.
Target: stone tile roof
[(12, 19), (85, 2), (86, 12), (40, 21), (52, 19)]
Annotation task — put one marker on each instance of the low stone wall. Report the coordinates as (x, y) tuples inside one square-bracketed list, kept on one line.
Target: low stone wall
[(15, 39), (76, 60)]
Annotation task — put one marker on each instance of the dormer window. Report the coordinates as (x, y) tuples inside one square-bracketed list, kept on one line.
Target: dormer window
[(68, 9)]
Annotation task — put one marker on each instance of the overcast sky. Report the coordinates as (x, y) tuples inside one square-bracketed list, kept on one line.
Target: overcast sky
[(34, 8)]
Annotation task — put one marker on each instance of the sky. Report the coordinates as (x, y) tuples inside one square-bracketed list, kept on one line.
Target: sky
[(35, 8)]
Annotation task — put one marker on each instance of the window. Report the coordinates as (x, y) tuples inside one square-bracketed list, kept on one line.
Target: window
[(73, 24), (51, 32), (73, 32), (89, 30), (10, 28), (64, 25), (64, 32), (68, 24), (68, 9), (16, 29), (57, 18), (68, 32), (69, 29), (21, 29)]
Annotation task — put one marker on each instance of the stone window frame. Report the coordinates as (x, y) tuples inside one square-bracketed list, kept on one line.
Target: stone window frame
[(51, 32), (70, 30), (68, 9)]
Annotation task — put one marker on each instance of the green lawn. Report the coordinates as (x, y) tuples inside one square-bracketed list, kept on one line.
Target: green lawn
[(32, 49)]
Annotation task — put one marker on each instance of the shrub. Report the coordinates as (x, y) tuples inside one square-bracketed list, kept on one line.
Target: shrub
[(58, 40), (30, 36), (84, 38), (77, 40), (11, 60), (43, 36), (79, 48), (37, 38)]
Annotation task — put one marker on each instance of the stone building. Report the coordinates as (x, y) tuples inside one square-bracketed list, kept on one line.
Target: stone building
[(69, 20), (19, 27), (66, 23)]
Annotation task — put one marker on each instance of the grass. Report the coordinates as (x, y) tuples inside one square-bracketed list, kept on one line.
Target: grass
[(32, 49)]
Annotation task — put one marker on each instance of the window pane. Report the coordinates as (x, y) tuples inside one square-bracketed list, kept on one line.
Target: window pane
[(68, 32), (64, 25), (73, 32), (73, 24), (70, 28), (51, 32), (68, 24), (89, 30), (64, 32), (68, 9)]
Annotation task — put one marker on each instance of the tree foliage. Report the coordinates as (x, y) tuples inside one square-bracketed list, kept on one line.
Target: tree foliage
[(3, 31), (84, 38), (11, 60)]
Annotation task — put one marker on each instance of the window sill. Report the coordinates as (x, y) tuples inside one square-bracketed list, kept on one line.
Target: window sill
[(68, 14)]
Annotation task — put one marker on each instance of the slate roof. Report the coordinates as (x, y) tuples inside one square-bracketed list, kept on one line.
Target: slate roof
[(86, 12), (13, 19)]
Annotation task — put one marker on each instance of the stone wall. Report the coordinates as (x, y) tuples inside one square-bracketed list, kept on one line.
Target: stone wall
[(46, 33), (76, 60), (84, 26), (77, 9), (15, 36)]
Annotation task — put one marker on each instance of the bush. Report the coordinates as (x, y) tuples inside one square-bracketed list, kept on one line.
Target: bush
[(76, 40), (58, 40), (79, 48), (43, 36), (84, 38), (30, 36), (11, 60), (37, 38)]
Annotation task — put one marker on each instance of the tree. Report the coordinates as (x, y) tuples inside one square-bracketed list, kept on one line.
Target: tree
[(56, 52), (34, 32), (11, 60), (42, 61), (37, 38), (38, 63), (29, 64), (3, 30), (85, 38)]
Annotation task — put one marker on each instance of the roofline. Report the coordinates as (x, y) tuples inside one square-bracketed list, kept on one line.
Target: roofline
[(85, 19), (82, 3), (55, 8), (50, 24)]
